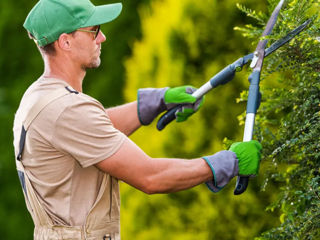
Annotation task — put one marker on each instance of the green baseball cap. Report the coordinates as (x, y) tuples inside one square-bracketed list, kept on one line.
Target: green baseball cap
[(48, 19)]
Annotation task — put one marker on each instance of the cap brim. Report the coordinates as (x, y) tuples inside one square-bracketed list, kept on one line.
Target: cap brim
[(104, 14)]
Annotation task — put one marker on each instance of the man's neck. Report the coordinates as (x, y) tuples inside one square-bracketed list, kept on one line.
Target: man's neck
[(65, 71)]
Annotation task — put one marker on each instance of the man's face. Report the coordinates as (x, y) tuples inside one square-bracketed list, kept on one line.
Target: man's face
[(87, 47)]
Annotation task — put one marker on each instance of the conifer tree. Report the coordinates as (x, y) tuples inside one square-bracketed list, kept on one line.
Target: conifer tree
[(289, 121)]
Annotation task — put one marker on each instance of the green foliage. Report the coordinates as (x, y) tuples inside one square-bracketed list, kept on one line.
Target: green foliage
[(259, 17), (18, 60), (20, 65), (187, 42), (288, 123)]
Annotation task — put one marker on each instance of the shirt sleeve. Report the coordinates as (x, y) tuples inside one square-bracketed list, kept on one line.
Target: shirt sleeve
[(84, 131)]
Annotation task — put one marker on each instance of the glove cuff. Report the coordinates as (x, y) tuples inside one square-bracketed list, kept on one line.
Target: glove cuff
[(150, 104), (224, 166)]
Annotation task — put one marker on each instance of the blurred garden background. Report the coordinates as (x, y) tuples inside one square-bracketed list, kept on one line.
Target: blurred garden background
[(159, 43)]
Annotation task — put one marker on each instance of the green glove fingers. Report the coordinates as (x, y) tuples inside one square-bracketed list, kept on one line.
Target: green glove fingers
[(248, 154), (182, 95), (179, 95), (187, 110), (183, 113)]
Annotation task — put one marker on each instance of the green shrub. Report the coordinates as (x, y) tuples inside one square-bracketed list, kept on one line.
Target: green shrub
[(288, 121)]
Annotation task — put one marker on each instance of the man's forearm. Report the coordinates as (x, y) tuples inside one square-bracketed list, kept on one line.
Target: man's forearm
[(173, 175), (154, 175), (125, 117)]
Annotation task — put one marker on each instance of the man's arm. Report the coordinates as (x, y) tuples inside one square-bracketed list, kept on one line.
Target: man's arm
[(125, 117), (154, 175), (152, 101)]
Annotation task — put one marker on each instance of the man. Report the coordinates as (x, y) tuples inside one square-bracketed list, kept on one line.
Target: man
[(71, 151)]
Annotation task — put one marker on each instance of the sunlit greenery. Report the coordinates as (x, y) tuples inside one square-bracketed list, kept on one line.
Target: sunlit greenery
[(184, 42), (158, 43)]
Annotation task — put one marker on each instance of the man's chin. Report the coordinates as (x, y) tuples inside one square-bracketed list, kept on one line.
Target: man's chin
[(92, 65)]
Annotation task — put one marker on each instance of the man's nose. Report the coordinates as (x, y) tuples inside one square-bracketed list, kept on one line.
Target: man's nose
[(101, 37)]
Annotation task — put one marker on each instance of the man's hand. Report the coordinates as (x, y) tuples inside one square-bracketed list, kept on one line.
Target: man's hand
[(248, 154), (243, 158), (153, 101), (182, 95)]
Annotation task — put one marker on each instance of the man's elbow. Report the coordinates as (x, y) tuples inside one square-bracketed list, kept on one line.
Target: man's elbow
[(151, 186)]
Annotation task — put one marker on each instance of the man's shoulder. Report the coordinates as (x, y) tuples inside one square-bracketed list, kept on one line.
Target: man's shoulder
[(72, 103), (79, 101), (40, 89)]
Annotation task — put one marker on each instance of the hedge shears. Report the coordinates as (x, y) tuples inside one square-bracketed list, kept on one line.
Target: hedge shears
[(228, 73)]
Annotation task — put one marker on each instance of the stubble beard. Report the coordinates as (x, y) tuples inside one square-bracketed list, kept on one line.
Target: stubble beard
[(95, 63)]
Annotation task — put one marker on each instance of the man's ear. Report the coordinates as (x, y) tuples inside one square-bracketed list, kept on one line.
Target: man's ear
[(64, 42)]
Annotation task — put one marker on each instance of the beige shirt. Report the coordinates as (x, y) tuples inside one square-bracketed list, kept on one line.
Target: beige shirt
[(62, 145)]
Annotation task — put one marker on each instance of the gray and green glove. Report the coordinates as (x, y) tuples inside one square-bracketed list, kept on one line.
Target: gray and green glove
[(242, 159), (249, 155), (153, 101)]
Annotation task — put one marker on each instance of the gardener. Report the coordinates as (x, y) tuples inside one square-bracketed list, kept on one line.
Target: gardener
[(71, 151)]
